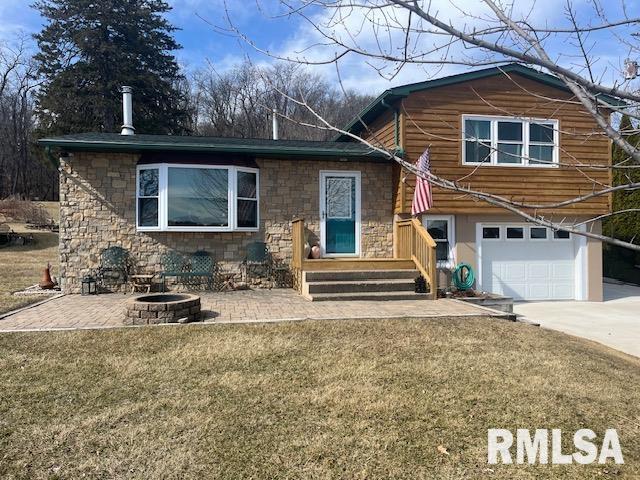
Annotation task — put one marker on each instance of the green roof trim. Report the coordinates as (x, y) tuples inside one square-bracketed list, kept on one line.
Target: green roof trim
[(380, 104), (113, 142)]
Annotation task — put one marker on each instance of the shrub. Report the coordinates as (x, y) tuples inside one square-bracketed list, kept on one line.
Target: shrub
[(24, 211)]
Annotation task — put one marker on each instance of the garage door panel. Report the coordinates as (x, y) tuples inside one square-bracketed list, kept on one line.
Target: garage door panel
[(513, 272), (539, 271), (529, 270), (563, 292), (563, 271), (539, 291)]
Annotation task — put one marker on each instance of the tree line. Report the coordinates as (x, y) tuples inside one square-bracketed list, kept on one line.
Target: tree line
[(68, 80)]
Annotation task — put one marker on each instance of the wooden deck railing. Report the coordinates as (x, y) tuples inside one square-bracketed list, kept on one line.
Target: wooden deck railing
[(297, 254), (413, 241)]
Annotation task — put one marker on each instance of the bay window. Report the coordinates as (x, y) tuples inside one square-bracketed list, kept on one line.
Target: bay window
[(148, 196), (509, 141), (247, 199), (202, 198)]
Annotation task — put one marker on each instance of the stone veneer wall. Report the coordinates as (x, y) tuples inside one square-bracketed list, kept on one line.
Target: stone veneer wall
[(97, 210)]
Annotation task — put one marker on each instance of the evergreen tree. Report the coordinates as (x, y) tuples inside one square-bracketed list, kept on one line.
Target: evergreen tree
[(90, 48), (626, 225)]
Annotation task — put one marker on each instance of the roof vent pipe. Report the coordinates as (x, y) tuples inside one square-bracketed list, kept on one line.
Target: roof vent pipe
[(275, 124), (127, 112)]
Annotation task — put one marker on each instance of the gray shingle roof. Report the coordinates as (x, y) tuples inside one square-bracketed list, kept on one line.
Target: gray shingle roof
[(248, 146)]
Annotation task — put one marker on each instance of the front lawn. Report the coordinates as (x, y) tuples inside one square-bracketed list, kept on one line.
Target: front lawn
[(22, 266), (348, 399)]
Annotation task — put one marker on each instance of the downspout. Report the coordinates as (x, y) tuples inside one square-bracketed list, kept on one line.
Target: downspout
[(396, 128), (51, 158)]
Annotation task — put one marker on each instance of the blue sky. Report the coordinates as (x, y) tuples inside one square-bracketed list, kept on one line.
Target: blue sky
[(289, 36)]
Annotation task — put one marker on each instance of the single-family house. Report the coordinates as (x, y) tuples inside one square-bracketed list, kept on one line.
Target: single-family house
[(511, 131)]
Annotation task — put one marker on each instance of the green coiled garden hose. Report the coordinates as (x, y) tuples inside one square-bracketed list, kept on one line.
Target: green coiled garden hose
[(463, 276)]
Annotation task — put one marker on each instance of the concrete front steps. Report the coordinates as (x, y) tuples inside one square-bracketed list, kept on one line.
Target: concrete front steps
[(396, 284)]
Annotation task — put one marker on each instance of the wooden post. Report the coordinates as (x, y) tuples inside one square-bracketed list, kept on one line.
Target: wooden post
[(433, 274), (396, 239)]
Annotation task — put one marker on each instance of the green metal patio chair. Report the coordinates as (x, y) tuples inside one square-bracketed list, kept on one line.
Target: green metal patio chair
[(198, 265), (257, 261), (173, 265), (202, 265), (114, 267)]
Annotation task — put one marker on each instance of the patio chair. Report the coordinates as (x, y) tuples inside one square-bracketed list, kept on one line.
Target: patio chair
[(257, 261), (198, 265), (114, 267), (202, 265), (173, 265)]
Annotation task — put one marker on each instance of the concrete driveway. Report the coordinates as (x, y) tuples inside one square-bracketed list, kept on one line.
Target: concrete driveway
[(614, 322)]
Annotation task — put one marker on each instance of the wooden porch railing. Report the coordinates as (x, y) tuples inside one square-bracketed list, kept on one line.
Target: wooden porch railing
[(413, 241), (297, 254)]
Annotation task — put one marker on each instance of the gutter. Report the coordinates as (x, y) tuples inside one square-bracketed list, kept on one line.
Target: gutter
[(129, 147)]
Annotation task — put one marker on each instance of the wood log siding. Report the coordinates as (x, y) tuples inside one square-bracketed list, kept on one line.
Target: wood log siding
[(382, 131), (439, 112)]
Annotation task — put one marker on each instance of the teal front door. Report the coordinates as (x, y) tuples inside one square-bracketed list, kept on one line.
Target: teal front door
[(340, 213)]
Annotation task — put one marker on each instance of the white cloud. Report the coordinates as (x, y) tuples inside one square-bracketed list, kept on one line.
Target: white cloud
[(17, 19), (356, 27)]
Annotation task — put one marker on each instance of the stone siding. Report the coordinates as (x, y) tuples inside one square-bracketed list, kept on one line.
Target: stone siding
[(97, 210)]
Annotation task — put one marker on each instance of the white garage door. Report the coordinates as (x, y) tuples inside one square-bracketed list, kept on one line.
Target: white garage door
[(527, 263)]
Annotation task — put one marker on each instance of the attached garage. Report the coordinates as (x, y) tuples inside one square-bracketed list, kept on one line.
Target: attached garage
[(529, 262)]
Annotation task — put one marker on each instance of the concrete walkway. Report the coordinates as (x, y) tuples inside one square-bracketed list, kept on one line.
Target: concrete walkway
[(614, 322), (107, 311)]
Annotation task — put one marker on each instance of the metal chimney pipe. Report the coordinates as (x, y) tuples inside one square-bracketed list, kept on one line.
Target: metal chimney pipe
[(275, 124), (127, 111)]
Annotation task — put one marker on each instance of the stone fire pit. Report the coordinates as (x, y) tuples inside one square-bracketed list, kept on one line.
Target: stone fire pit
[(162, 308)]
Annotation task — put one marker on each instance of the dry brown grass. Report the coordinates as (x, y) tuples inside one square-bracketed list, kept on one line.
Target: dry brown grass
[(21, 266), (39, 213), (344, 399)]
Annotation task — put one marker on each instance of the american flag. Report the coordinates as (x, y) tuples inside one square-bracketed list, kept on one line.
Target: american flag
[(422, 200)]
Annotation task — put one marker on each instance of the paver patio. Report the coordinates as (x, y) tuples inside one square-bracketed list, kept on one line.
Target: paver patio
[(103, 311)]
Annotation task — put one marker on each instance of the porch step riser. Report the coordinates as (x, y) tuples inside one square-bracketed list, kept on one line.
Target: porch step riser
[(354, 275), (356, 287), (370, 296)]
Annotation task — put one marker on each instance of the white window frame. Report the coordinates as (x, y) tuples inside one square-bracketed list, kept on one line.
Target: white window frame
[(524, 233), (500, 233), (149, 228), (531, 239), (556, 239), (236, 198), (451, 238), (493, 158), (163, 198)]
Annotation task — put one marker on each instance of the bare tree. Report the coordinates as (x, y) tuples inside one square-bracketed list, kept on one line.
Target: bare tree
[(391, 34), (23, 170), (239, 103)]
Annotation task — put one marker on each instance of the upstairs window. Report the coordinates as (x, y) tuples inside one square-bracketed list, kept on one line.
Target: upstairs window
[(507, 141), (196, 198)]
